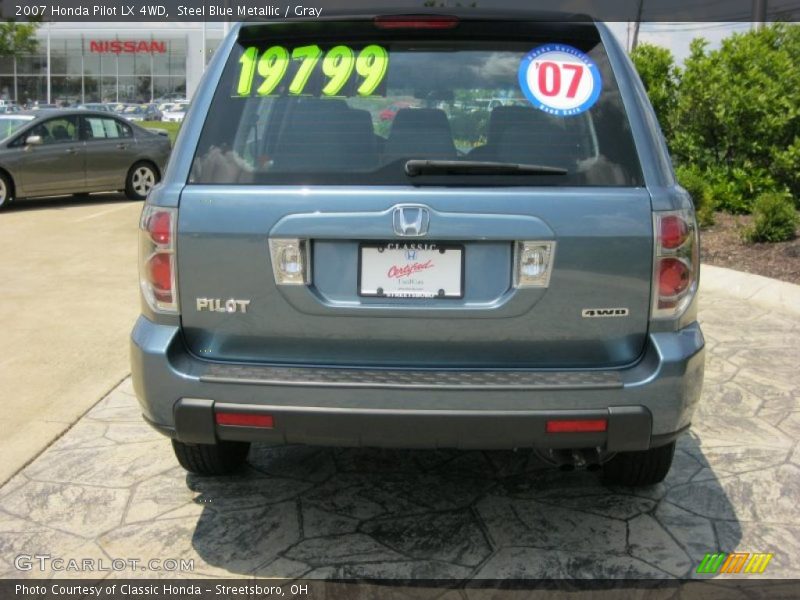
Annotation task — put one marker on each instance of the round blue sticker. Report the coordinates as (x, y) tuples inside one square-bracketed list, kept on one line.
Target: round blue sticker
[(560, 80)]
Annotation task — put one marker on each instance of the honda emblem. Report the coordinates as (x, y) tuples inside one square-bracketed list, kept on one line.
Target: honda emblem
[(411, 220)]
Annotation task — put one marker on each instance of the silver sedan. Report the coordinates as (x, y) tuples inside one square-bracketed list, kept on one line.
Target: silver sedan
[(52, 152)]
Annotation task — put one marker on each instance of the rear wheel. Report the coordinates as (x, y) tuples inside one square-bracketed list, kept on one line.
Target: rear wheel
[(5, 191), (141, 179), (221, 458), (647, 467)]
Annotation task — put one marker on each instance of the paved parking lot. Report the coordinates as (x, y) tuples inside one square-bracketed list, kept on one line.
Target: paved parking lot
[(67, 300), (110, 488)]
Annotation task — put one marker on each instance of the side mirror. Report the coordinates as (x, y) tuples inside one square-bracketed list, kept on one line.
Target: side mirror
[(33, 140)]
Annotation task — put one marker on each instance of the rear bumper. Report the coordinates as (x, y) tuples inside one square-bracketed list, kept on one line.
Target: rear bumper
[(646, 405)]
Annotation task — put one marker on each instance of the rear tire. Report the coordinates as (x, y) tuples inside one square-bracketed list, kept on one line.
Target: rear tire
[(6, 191), (222, 458), (635, 469), (140, 180)]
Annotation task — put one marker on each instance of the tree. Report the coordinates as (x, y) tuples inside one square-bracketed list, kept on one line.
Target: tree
[(17, 38), (660, 76), (738, 112)]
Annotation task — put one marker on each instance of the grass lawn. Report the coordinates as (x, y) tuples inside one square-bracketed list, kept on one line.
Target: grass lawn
[(171, 128)]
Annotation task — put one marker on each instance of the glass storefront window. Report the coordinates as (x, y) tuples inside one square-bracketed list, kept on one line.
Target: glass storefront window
[(91, 89), (91, 62), (65, 90), (31, 88), (108, 90), (143, 64), (7, 87), (126, 62), (58, 57), (143, 88), (74, 51), (85, 68), (6, 65), (35, 64)]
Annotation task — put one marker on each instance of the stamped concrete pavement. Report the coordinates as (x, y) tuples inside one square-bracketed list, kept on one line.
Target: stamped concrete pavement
[(110, 488)]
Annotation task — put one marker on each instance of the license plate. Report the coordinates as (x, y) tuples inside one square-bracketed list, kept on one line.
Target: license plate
[(411, 270)]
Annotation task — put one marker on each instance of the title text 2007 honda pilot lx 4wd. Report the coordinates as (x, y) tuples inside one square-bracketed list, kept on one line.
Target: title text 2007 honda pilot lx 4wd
[(506, 262)]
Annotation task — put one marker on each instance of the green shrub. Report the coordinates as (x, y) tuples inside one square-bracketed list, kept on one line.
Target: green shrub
[(727, 197), (736, 112), (734, 190), (694, 181), (775, 219)]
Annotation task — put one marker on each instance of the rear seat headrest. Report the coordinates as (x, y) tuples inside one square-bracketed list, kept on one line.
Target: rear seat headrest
[(420, 133), (325, 135)]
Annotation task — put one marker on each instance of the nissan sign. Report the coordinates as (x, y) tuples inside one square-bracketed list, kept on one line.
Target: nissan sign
[(127, 47)]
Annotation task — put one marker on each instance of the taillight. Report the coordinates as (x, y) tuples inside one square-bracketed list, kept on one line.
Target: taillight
[(674, 277), (159, 225), (416, 22), (674, 231), (157, 265), (676, 262)]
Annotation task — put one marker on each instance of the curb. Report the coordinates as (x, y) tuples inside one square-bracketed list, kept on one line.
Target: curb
[(764, 291)]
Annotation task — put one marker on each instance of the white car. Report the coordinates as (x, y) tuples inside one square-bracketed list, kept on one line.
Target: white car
[(176, 112)]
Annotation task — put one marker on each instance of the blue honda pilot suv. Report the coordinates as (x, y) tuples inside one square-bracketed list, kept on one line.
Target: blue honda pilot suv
[(421, 231)]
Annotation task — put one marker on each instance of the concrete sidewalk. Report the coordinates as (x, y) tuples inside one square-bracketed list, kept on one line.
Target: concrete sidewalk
[(110, 488)]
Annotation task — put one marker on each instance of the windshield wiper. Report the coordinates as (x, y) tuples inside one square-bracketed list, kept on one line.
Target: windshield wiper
[(477, 167)]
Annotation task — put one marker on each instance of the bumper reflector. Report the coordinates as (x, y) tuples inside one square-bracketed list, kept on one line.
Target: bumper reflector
[(577, 425), (245, 420)]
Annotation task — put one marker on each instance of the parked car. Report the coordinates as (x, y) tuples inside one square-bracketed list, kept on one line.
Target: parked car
[(99, 106), (171, 97), (175, 113), (142, 112), (308, 279), (75, 151)]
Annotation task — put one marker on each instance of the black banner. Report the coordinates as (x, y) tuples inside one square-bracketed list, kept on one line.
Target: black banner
[(239, 589), (241, 10)]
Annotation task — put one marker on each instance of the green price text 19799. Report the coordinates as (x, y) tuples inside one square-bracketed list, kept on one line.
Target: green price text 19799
[(338, 64)]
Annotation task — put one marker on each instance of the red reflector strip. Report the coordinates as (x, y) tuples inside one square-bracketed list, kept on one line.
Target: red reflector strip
[(245, 420), (413, 22), (577, 426)]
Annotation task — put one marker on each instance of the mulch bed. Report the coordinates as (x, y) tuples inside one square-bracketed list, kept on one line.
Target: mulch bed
[(721, 245)]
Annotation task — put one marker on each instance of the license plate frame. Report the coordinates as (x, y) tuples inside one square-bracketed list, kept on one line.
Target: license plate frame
[(421, 250)]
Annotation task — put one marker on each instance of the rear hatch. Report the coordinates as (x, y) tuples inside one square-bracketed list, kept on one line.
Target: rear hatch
[(369, 196)]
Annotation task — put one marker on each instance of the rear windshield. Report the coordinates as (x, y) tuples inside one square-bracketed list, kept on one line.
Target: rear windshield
[(315, 110)]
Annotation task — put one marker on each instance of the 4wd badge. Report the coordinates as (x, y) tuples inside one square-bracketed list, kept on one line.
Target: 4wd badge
[(590, 313)]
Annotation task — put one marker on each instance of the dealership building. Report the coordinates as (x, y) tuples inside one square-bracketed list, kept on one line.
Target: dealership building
[(110, 62)]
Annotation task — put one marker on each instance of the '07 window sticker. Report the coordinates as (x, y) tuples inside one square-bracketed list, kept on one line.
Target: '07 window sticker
[(560, 80), (338, 65)]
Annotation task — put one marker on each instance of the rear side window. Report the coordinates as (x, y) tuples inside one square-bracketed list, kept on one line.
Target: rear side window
[(100, 128), (304, 110)]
